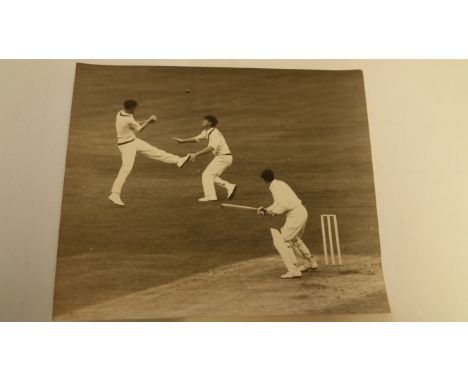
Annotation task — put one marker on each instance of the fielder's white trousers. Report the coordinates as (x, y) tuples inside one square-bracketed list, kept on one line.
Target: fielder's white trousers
[(210, 176), (129, 150)]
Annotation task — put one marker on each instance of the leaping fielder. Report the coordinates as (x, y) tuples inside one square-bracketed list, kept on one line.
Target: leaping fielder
[(129, 145), (288, 242), (222, 159)]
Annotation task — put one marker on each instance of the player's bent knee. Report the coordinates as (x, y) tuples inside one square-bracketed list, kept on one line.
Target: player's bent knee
[(287, 238), (207, 175)]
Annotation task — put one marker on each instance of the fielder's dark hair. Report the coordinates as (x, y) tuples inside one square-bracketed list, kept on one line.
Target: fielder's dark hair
[(211, 119), (130, 104), (267, 176)]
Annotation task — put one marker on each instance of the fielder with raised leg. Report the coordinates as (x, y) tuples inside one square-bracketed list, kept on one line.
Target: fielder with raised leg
[(288, 242), (222, 159), (129, 145)]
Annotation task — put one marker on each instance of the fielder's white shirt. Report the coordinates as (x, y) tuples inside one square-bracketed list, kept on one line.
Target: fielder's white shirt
[(126, 126), (285, 199), (215, 140)]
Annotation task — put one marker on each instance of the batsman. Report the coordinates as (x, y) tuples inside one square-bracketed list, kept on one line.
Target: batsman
[(288, 242)]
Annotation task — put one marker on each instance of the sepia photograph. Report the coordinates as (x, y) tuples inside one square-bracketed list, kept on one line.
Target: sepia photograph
[(214, 193), (210, 190)]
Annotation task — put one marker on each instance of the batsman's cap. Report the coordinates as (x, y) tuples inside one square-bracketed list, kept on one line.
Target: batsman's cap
[(211, 119), (130, 103), (267, 175)]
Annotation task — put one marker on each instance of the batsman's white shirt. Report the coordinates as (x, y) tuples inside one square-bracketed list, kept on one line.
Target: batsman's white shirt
[(286, 201), (126, 126), (215, 140)]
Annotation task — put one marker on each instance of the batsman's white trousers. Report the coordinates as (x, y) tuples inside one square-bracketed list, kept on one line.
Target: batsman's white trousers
[(293, 230), (295, 223), (210, 176), (129, 150), (286, 253)]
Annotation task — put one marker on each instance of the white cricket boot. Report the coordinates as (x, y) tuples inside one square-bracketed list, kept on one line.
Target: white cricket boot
[(310, 265), (291, 275), (115, 198), (182, 161), (231, 191), (207, 199)]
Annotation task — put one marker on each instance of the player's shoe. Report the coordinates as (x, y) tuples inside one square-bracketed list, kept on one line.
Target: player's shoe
[(231, 191), (291, 275), (206, 199), (182, 161), (115, 198), (311, 265)]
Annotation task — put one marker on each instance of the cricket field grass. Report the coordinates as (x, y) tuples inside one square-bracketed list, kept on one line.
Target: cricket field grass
[(310, 127)]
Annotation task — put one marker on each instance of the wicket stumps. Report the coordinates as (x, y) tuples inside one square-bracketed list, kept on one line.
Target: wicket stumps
[(327, 227)]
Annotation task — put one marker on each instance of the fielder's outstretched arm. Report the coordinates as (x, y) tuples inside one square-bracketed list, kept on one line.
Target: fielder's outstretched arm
[(142, 125), (187, 140), (206, 150)]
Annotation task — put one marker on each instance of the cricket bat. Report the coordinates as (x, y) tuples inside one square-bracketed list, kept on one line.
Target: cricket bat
[(239, 207)]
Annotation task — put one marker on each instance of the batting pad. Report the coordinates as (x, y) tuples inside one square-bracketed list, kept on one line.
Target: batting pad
[(286, 253)]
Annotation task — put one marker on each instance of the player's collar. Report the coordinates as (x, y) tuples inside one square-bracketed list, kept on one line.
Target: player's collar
[(210, 130)]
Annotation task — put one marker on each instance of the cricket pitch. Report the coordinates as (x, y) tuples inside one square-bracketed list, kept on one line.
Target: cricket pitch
[(250, 289)]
